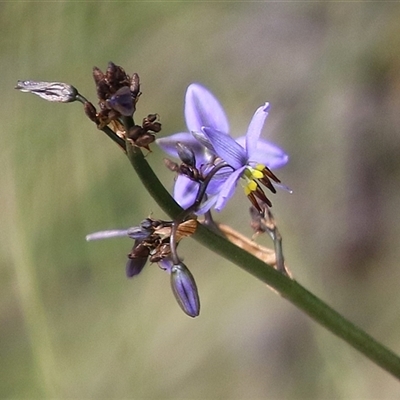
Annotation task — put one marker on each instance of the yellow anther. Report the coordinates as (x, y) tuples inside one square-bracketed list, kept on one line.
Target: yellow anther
[(251, 186), (256, 174), (260, 167)]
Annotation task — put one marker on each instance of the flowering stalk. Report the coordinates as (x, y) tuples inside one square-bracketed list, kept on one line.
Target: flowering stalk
[(287, 287), (117, 106)]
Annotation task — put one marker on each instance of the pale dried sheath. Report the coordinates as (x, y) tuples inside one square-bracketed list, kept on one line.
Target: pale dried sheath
[(50, 91)]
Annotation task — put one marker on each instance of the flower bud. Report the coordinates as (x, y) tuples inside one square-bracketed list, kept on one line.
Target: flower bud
[(185, 289), (186, 154), (138, 233), (122, 101), (137, 259), (50, 91), (134, 266)]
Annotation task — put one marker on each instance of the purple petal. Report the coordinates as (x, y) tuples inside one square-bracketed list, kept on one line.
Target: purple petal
[(255, 128), (214, 186), (185, 191), (267, 154), (203, 109), (168, 144), (226, 148), (228, 189), (122, 101), (203, 139)]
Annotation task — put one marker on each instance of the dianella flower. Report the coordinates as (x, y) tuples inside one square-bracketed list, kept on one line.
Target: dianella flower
[(201, 109), (248, 158)]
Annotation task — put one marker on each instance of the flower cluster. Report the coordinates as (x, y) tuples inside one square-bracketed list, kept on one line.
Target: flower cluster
[(153, 243), (220, 158), (118, 94)]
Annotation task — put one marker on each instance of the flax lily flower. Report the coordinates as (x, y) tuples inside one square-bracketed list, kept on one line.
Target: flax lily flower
[(249, 157)]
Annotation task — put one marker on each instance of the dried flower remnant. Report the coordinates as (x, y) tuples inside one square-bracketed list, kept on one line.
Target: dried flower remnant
[(50, 91), (143, 136)]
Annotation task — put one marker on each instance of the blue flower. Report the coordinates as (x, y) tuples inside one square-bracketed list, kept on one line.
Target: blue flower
[(201, 109), (249, 156)]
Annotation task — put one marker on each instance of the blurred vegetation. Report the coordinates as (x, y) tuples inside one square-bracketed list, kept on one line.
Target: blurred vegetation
[(73, 327)]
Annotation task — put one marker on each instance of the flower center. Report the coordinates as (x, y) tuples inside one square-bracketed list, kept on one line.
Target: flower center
[(253, 177), (250, 174)]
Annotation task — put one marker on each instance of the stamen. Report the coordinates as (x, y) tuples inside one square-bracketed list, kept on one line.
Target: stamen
[(250, 187), (256, 174), (268, 173), (254, 201), (266, 182), (261, 195)]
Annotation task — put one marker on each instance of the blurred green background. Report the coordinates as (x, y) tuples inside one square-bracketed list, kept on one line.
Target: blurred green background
[(73, 327)]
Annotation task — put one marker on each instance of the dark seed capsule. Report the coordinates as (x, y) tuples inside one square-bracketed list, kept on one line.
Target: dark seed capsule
[(90, 111), (145, 140), (135, 132), (135, 85), (97, 75)]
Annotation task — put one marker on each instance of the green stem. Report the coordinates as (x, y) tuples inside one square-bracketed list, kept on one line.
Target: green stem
[(287, 287)]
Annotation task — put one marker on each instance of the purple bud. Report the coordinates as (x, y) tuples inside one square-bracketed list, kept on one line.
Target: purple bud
[(122, 101), (137, 259), (186, 154), (138, 233), (185, 289), (134, 266)]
